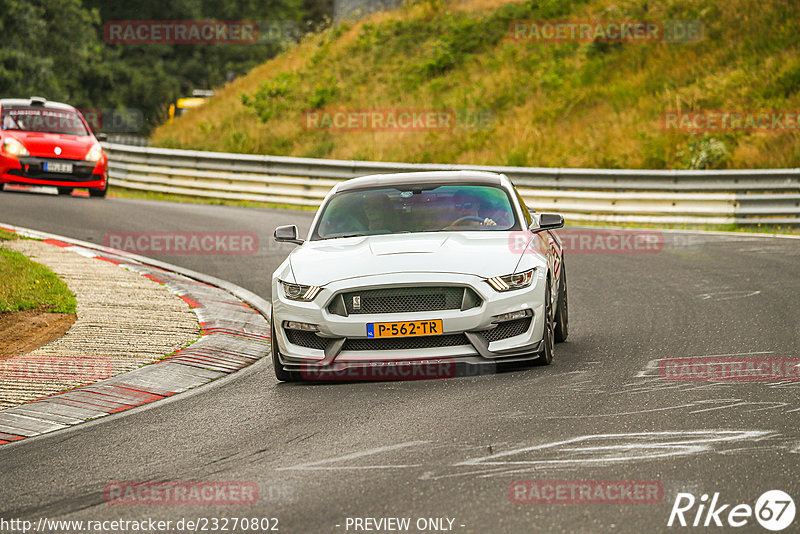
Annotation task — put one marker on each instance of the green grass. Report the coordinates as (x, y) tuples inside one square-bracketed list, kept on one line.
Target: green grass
[(7, 236), (122, 192), (26, 285)]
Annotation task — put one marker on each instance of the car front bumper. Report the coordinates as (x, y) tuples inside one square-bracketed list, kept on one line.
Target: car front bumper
[(28, 170), (464, 331)]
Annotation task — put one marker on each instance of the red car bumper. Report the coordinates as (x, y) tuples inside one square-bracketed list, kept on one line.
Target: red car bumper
[(31, 171)]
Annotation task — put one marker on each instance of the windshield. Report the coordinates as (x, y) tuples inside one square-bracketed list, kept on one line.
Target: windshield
[(42, 120), (421, 209)]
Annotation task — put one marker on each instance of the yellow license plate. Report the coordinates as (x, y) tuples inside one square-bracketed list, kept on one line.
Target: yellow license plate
[(405, 328)]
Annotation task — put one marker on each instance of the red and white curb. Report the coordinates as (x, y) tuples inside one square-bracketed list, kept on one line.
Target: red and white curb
[(235, 334)]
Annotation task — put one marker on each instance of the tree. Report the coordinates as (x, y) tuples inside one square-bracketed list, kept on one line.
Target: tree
[(55, 49)]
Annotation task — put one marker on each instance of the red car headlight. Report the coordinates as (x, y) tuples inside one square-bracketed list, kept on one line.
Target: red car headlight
[(14, 148), (95, 153)]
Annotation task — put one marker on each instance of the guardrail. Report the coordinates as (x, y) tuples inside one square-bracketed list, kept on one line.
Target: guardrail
[(642, 196)]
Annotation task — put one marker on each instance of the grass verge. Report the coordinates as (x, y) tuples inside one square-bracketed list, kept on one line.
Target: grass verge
[(27, 285), (7, 236), (122, 192)]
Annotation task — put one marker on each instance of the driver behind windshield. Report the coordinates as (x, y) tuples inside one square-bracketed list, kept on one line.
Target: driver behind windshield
[(466, 208), (10, 124), (379, 212)]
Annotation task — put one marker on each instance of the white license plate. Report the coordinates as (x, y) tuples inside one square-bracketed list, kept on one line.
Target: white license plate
[(55, 166)]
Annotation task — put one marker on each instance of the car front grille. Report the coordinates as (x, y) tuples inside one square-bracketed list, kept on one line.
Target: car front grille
[(508, 329), (33, 167), (306, 339), (404, 300), (406, 343)]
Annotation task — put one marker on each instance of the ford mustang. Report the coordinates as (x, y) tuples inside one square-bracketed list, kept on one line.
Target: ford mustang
[(403, 271), (51, 144)]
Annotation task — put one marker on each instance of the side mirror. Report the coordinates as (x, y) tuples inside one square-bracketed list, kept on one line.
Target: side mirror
[(287, 234), (549, 221), (101, 137)]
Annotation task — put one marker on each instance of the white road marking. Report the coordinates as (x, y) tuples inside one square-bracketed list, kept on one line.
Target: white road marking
[(316, 466), (731, 403), (641, 446), (741, 403), (727, 295)]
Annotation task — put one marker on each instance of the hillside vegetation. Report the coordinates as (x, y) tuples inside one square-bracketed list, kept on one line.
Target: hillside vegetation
[(58, 49), (567, 104)]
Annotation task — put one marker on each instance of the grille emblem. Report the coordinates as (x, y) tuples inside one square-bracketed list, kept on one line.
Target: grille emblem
[(357, 303), (57, 150)]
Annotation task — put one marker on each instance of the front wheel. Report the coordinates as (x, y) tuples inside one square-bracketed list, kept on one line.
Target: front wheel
[(99, 192), (562, 311), (280, 373)]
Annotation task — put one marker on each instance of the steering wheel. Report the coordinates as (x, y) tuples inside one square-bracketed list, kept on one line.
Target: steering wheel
[(458, 222)]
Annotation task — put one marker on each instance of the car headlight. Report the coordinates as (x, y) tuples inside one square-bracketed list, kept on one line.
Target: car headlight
[(299, 291), (512, 281), (14, 147), (95, 153)]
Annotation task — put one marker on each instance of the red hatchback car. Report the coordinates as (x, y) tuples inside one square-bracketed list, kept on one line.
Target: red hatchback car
[(49, 143)]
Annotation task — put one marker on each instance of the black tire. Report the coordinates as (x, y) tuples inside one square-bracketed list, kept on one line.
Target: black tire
[(99, 193), (546, 352), (65, 190), (562, 311), (280, 373)]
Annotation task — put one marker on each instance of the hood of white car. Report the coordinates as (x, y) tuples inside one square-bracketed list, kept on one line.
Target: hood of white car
[(484, 254)]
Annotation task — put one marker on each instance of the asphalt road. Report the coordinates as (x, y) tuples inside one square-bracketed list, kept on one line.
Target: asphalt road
[(321, 454)]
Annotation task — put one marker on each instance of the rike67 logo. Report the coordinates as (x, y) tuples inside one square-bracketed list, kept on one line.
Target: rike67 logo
[(774, 510)]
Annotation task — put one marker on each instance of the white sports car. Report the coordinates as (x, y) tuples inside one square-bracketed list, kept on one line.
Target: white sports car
[(447, 271)]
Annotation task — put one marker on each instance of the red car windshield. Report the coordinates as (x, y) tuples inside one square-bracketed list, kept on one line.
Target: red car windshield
[(42, 120)]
